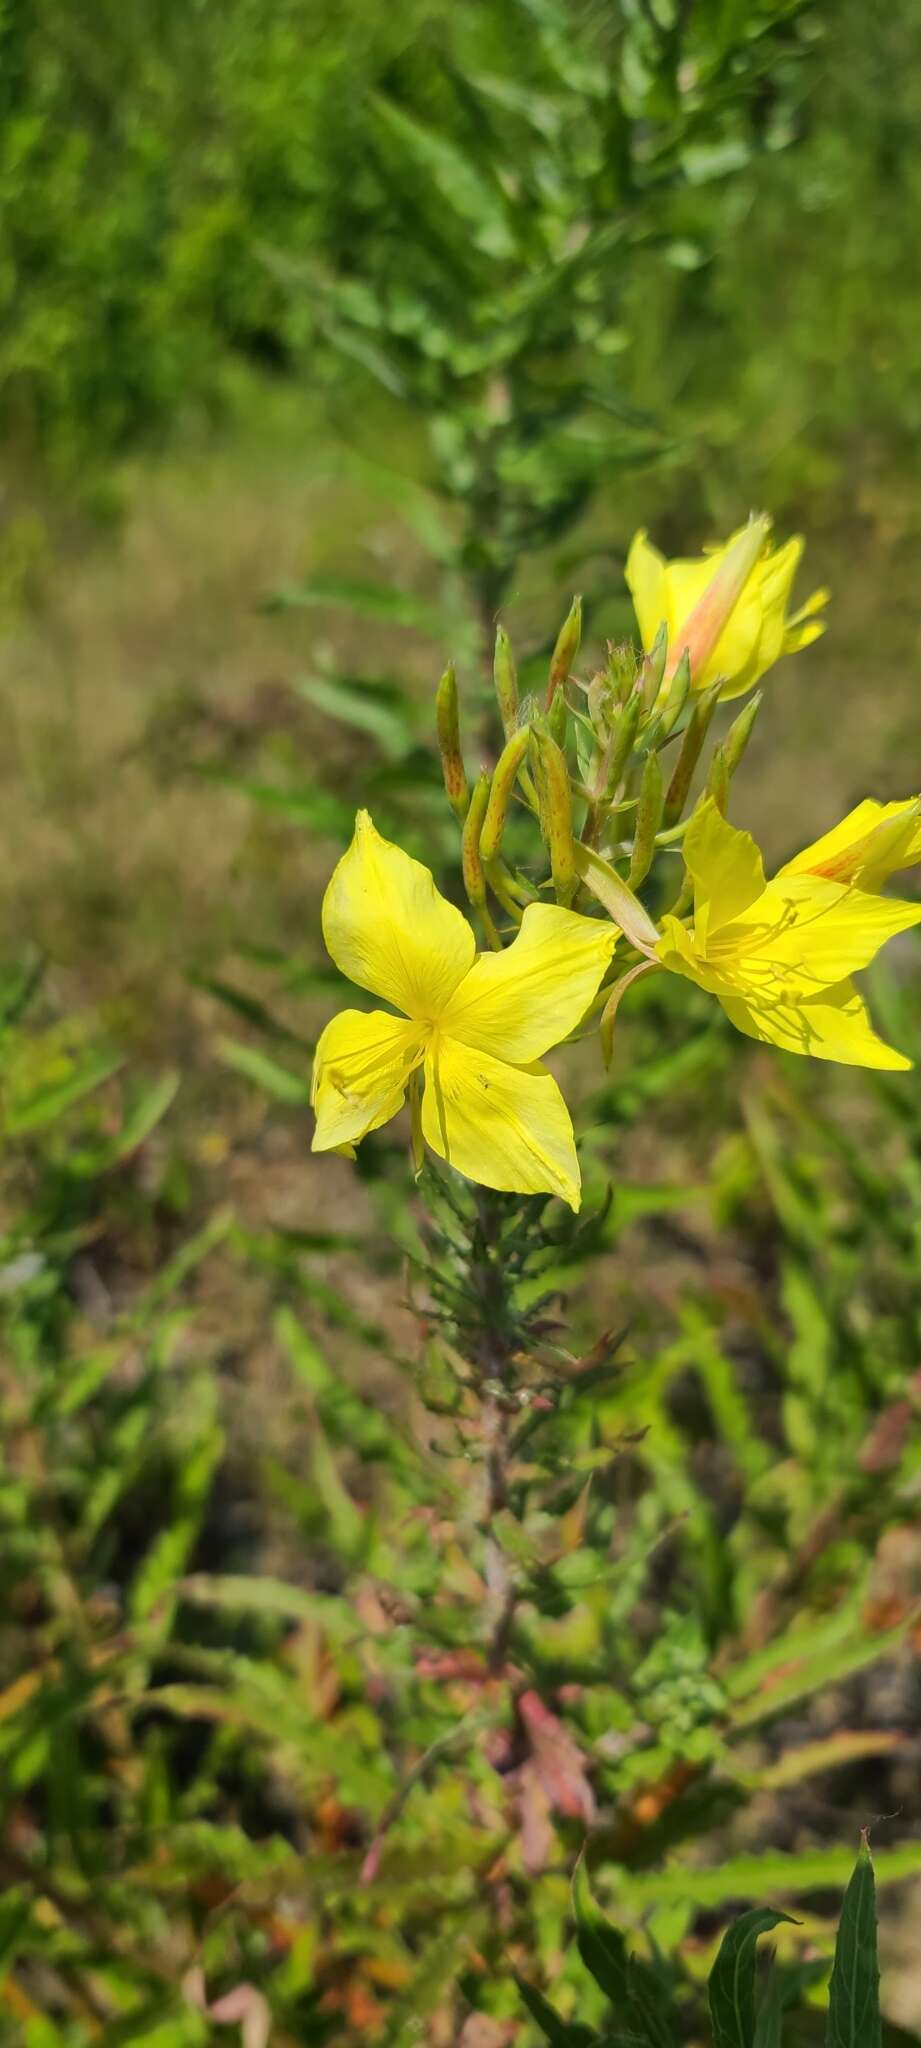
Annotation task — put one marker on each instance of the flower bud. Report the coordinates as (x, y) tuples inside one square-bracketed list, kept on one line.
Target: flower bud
[(623, 735), (740, 733), (452, 762), (648, 820), (503, 782), (695, 733), (652, 669), (676, 696), (704, 624), (555, 793), (557, 719), (471, 863), (505, 676), (566, 649), (718, 780), (728, 608), (598, 697), (621, 670)]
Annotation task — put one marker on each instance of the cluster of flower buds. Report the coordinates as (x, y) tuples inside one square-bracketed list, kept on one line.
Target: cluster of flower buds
[(605, 766)]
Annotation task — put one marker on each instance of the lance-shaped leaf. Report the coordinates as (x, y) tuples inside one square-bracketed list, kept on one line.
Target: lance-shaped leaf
[(853, 1994), (732, 1980), (601, 1946), (628, 1984), (560, 2033)]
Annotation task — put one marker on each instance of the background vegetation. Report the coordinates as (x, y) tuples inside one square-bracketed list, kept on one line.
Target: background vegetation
[(325, 334)]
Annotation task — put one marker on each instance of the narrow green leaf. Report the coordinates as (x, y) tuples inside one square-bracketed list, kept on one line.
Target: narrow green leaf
[(33, 1112), (249, 1008), (560, 2033), (458, 182), (370, 600), (356, 703), (814, 1668), (741, 1877), (267, 1073), (783, 1992), (142, 1117), (853, 1994), (601, 1946), (246, 1593), (732, 1979)]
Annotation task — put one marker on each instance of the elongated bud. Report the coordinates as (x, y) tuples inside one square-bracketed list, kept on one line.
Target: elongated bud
[(649, 681), (626, 726), (597, 698), (621, 670), (676, 696), (718, 780), (740, 733), (503, 782), (555, 793), (703, 626), (648, 820), (557, 718), (506, 680), (566, 649), (695, 733), (452, 761), (471, 863)]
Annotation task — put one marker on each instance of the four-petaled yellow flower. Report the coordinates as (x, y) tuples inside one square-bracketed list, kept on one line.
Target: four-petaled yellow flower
[(728, 608), (779, 955), (476, 1026)]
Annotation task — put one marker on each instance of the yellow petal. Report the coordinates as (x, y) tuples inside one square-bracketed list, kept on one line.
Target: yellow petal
[(808, 933), (835, 1028), (362, 1064), (726, 867), (387, 927), (645, 577), (518, 1003), (738, 641), (866, 847), (506, 1127), (678, 950)]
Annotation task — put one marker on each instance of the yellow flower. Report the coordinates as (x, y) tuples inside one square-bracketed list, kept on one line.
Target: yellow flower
[(779, 955), (728, 609), (867, 847), (476, 1026)]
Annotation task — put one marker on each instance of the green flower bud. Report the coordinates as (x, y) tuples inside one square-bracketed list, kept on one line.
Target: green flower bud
[(740, 733), (718, 780), (621, 671), (506, 680), (503, 782), (555, 793), (695, 733), (452, 761), (471, 863), (566, 649), (649, 681), (623, 736), (648, 820), (557, 717), (597, 698), (676, 695)]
